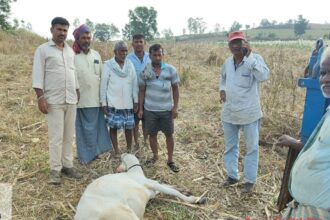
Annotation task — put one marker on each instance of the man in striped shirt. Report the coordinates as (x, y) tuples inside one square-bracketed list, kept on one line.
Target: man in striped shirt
[(158, 86)]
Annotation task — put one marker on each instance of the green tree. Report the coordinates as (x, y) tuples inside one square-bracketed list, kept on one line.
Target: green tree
[(300, 25), (192, 26), (247, 27), (235, 26), (104, 32), (16, 23), (265, 23), (168, 34), (90, 25), (272, 36), (326, 36), (4, 14), (196, 25), (76, 23), (217, 28), (25, 26), (142, 20)]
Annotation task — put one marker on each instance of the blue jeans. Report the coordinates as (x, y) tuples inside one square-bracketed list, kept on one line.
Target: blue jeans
[(251, 137)]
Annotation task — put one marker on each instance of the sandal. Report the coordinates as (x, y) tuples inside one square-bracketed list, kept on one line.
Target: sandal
[(173, 167), (151, 161)]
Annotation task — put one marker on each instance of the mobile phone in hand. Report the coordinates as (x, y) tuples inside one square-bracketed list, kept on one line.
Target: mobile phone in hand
[(244, 50), (244, 47)]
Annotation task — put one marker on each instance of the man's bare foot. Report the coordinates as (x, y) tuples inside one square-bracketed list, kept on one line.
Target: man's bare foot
[(136, 145), (151, 161), (115, 154)]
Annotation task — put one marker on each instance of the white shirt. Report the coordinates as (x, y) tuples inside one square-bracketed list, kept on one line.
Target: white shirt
[(310, 174), (241, 84), (116, 91), (88, 71), (54, 72)]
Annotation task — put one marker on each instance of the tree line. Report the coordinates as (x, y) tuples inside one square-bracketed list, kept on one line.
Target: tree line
[(143, 20)]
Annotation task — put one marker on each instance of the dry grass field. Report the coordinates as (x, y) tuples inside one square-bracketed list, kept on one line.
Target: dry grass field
[(198, 136)]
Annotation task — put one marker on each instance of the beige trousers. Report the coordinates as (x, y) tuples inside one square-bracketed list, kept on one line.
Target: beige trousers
[(61, 129)]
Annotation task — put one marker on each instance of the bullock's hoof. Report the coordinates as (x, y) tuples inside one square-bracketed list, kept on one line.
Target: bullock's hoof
[(202, 201), (185, 192)]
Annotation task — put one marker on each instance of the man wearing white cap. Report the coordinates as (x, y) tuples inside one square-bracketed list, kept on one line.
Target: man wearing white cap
[(239, 91)]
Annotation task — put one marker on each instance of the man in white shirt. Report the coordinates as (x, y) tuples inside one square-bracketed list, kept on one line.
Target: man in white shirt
[(241, 75), (92, 136), (119, 94), (57, 90)]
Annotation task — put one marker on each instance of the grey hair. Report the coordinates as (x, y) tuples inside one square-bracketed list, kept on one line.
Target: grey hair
[(119, 45), (325, 55)]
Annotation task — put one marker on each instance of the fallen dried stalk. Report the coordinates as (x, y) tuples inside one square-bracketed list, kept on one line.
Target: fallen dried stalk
[(71, 207), (204, 177), (27, 175), (32, 125), (182, 203)]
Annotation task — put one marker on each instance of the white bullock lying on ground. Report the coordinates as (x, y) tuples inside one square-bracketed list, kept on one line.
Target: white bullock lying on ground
[(123, 196)]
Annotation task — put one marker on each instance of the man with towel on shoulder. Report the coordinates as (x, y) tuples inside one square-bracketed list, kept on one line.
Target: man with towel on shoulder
[(91, 131), (119, 95)]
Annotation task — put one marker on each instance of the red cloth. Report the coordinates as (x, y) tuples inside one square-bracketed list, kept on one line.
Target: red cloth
[(76, 33)]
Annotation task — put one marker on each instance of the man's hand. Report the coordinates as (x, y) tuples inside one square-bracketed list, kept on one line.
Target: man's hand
[(135, 107), (288, 141), (174, 112), (105, 110), (246, 48), (43, 105), (222, 96), (140, 113)]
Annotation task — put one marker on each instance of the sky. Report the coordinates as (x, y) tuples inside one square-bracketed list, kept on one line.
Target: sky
[(172, 14)]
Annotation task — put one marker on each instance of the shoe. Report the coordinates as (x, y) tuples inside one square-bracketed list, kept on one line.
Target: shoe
[(173, 167), (229, 181), (54, 177), (247, 188), (71, 172)]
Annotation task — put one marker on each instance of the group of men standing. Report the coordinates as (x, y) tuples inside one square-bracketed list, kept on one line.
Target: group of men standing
[(81, 96), (132, 87), (140, 86)]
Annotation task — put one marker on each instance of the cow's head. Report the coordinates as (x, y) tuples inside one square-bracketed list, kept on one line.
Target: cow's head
[(127, 161)]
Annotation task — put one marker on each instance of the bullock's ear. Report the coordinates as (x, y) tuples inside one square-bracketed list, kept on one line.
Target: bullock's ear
[(121, 168)]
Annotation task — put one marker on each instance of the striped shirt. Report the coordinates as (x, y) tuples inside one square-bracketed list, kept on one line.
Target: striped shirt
[(158, 96), (296, 211)]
